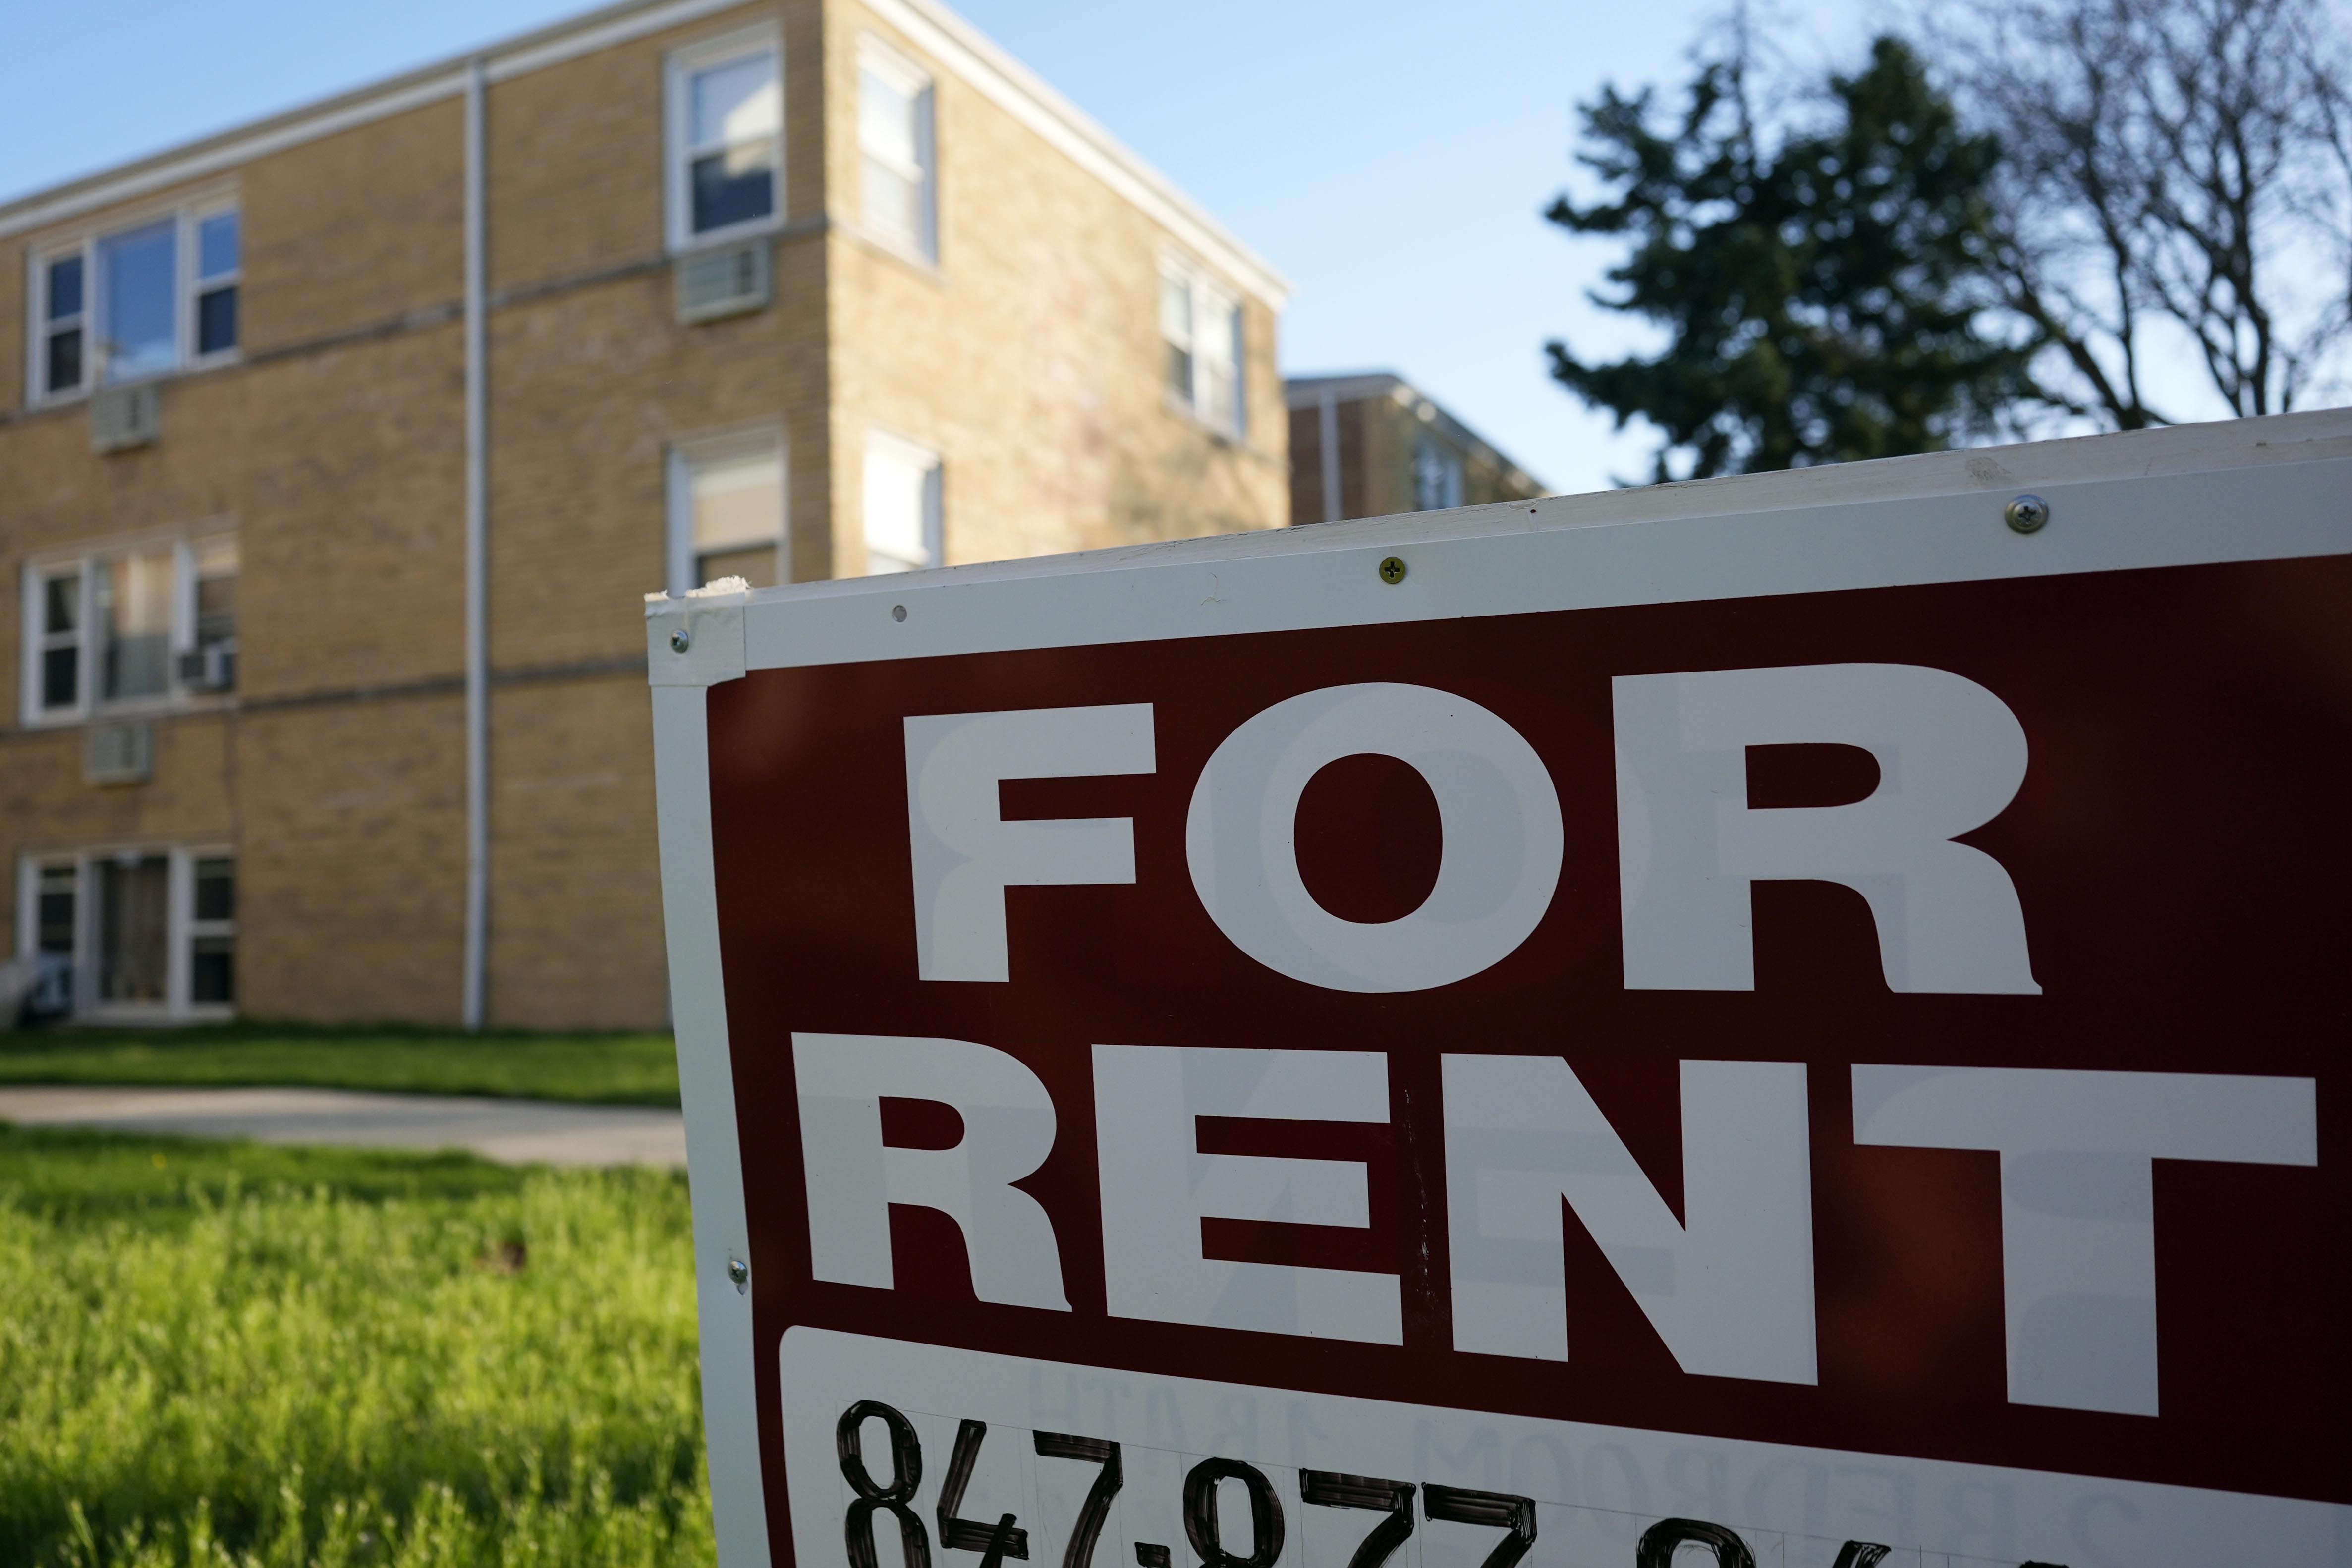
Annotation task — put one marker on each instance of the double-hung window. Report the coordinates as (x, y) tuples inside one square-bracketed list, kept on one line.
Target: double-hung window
[(131, 934), (726, 136), (896, 151), (1437, 475), (727, 510), (1200, 334), (136, 302), (139, 627), (904, 522)]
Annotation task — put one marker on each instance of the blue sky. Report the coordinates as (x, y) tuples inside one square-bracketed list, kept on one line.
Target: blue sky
[(1393, 158)]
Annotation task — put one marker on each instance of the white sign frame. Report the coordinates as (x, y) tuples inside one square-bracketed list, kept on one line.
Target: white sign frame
[(2252, 489)]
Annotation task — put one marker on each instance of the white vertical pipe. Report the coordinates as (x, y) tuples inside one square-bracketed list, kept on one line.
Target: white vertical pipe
[(478, 568), (1328, 437)]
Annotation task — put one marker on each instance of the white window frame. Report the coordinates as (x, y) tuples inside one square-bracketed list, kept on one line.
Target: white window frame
[(35, 640), (194, 286), (913, 454), (186, 287), (1210, 300), (678, 554), (680, 152), (880, 58), (181, 931), (1451, 472)]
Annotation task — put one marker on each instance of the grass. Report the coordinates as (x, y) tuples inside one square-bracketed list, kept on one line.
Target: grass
[(601, 1070), (224, 1355)]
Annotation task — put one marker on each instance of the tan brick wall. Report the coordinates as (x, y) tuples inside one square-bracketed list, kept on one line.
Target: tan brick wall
[(1030, 357), (355, 229), (576, 913), (351, 860), (589, 390)]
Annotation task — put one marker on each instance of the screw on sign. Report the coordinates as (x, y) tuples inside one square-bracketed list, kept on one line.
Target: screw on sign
[(1768, 1024)]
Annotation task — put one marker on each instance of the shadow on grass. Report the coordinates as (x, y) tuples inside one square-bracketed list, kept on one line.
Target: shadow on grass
[(586, 1069), (70, 1174)]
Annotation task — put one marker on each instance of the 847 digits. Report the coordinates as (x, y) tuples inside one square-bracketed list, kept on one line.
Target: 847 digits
[(1512, 1516)]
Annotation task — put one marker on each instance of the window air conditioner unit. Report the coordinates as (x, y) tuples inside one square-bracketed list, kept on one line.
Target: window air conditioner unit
[(120, 753), (716, 283), (212, 668), (121, 417)]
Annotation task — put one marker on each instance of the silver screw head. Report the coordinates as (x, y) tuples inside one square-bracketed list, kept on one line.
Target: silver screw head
[(2027, 514), (680, 642), (740, 1272), (897, 611)]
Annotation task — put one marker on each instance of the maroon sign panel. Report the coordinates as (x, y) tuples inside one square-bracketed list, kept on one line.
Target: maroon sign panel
[(1896, 1033)]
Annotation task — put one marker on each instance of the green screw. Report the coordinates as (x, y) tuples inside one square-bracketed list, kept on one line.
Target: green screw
[(1392, 570)]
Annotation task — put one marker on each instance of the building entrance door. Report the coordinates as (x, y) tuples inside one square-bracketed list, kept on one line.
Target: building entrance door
[(134, 922)]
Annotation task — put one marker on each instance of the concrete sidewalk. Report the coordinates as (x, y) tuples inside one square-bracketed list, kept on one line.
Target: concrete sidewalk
[(516, 1131)]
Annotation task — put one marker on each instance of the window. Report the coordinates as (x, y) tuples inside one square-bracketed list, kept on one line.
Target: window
[(1200, 329), (211, 932), (141, 626), (727, 124), (57, 932), (220, 263), (135, 929), (122, 306), (726, 511), (903, 522), (160, 939), (131, 615), (1436, 476), (895, 142)]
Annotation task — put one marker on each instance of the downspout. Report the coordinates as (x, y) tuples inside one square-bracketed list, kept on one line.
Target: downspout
[(478, 569), (1326, 433)]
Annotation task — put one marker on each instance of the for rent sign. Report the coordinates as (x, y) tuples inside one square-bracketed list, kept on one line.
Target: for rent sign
[(1786, 1022)]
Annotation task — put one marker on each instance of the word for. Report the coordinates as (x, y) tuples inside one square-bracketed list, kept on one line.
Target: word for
[(1950, 757)]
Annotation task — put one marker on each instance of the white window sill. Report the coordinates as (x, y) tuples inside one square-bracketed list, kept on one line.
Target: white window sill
[(1226, 434), (718, 238), (221, 361), (124, 712), (906, 255)]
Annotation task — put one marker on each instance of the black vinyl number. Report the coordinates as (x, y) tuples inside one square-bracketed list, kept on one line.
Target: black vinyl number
[(1328, 1488), (1664, 1539), (1080, 1552), (1507, 1511), (970, 1534), (1500, 1510), (1200, 1526), (907, 1474)]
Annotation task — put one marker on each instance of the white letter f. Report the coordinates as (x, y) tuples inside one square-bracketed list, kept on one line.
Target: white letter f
[(966, 853)]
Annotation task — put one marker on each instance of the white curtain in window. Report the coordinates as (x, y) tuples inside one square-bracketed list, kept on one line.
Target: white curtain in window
[(894, 136), (902, 505)]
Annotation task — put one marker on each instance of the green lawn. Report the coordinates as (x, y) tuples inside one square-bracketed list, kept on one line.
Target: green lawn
[(235, 1356), (607, 1070)]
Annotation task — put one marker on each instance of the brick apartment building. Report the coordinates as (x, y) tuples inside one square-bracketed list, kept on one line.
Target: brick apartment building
[(346, 444), (1372, 445)]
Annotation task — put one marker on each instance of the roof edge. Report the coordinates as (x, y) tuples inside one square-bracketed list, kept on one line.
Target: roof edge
[(1013, 87), (961, 45)]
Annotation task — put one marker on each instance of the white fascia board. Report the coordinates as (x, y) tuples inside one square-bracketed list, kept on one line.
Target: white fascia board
[(446, 79), (2139, 500), (962, 49)]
